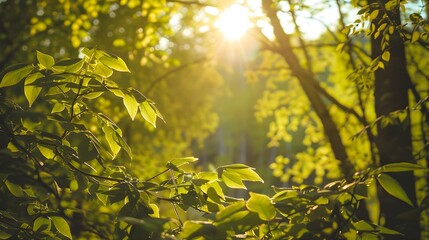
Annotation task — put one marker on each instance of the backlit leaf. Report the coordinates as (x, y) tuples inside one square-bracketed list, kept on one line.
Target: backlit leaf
[(62, 226), (182, 161), (15, 189), (402, 167), (103, 71), (232, 179), (415, 36), (110, 135), (261, 204), (131, 104), (15, 76), (115, 63), (45, 60), (148, 113), (31, 92), (393, 188), (234, 174), (46, 152), (386, 56), (40, 222), (374, 14)]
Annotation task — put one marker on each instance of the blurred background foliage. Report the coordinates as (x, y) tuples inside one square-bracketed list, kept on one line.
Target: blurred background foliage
[(230, 101)]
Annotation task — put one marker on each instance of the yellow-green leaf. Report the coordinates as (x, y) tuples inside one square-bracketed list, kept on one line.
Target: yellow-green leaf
[(232, 179), (374, 14), (45, 60), (58, 107), (182, 161), (386, 56), (15, 76), (131, 105), (40, 222), (115, 63), (103, 71), (62, 226), (393, 188), (31, 92), (148, 113), (340, 47), (261, 204), (15, 189), (415, 36), (402, 167), (46, 152)]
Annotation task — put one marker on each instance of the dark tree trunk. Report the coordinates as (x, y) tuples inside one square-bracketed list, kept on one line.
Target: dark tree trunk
[(310, 86), (394, 141)]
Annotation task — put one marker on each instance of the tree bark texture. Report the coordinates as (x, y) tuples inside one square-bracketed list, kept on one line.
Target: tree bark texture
[(394, 140)]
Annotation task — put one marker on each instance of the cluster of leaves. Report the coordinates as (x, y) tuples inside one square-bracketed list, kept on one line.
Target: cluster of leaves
[(54, 151), (60, 158), (60, 172), (305, 212), (379, 16)]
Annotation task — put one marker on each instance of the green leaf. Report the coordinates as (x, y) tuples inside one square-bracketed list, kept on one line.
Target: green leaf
[(5, 235), (340, 47), (42, 222), (15, 76), (45, 60), (402, 167), (261, 204), (236, 217), (58, 107), (69, 65), (15, 189), (182, 161), (74, 185), (46, 152), (31, 92), (385, 230), (87, 52), (218, 189), (62, 226), (103, 71), (386, 56), (110, 135), (232, 179), (248, 174), (148, 113), (415, 36), (393, 188), (234, 174), (374, 14), (236, 165), (113, 135), (131, 104), (210, 176), (228, 211), (197, 230), (115, 63), (364, 226)]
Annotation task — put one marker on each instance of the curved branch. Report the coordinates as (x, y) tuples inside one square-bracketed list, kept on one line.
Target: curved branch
[(307, 82)]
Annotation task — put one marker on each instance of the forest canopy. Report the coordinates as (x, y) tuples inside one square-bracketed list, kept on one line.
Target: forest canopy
[(171, 119)]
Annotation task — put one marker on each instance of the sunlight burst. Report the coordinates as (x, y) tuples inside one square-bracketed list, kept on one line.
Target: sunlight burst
[(234, 22)]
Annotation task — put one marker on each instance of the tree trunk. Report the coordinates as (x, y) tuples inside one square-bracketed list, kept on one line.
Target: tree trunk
[(394, 141), (309, 85)]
